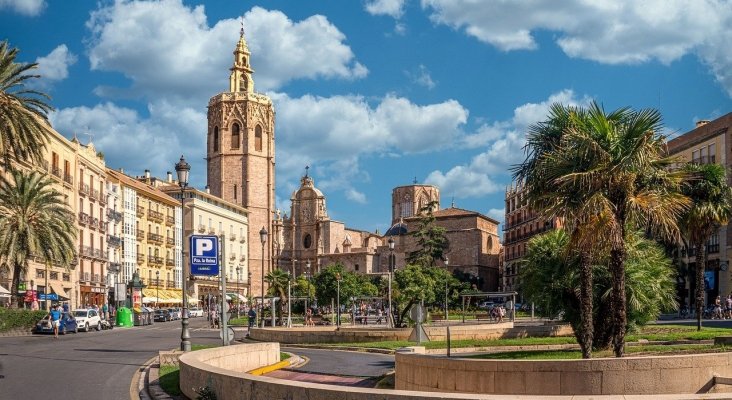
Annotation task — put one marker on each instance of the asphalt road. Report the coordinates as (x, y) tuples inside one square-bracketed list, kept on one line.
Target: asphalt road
[(87, 365), (344, 363)]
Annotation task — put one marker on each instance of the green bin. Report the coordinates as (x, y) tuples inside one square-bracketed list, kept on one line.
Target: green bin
[(124, 317)]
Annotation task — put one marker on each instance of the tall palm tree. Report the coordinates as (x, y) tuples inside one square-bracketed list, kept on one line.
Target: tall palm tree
[(711, 207), (34, 221), (613, 166), (24, 128), (277, 280)]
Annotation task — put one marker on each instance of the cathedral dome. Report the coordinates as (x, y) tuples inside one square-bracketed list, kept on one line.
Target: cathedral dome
[(398, 229)]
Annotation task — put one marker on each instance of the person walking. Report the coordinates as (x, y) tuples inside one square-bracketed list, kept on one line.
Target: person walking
[(55, 320), (252, 316)]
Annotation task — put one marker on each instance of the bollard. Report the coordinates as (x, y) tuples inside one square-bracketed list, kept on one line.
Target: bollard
[(448, 340)]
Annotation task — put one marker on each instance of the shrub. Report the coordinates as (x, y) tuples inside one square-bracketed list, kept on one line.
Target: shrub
[(19, 318)]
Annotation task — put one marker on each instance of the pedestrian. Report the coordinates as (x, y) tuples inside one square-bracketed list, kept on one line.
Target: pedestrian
[(252, 316), (55, 320), (105, 311)]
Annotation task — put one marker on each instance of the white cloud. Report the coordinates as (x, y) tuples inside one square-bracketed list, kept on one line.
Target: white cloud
[(153, 143), (612, 32), (55, 66), (497, 213), (392, 8), (166, 48), (422, 77), (30, 8), (505, 141), (356, 196)]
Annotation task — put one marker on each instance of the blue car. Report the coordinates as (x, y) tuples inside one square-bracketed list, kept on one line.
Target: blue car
[(68, 324)]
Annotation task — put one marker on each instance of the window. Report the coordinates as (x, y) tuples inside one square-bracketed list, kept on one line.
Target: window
[(258, 138), (66, 277), (405, 209), (216, 139), (356, 267), (307, 241), (54, 275), (235, 132), (40, 273), (235, 191)]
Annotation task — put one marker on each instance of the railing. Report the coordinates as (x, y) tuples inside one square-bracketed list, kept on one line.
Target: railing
[(171, 284), (140, 234), (56, 171), (99, 254), (242, 258), (154, 237), (83, 218), (170, 262), (232, 256), (93, 194), (704, 160), (140, 211), (155, 215), (114, 267), (243, 239), (83, 189), (211, 230), (103, 225), (96, 279), (85, 276), (69, 179), (232, 236), (111, 214), (93, 222), (102, 198), (114, 241), (201, 228), (140, 258), (155, 260), (44, 165), (169, 220), (170, 241)]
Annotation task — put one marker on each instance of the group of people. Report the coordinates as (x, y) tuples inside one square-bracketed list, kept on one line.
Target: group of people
[(497, 313), (722, 308)]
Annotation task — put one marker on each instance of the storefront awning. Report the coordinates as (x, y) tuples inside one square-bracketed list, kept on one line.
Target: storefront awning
[(233, 296), (59, 290), (4, 292)]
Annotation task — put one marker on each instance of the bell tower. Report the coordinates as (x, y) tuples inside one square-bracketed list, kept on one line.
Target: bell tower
[(241, 157)]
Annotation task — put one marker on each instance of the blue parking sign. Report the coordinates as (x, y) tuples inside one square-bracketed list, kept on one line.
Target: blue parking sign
[(204, 255)]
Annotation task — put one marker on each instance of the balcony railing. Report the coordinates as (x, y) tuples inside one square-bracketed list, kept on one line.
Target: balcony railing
[(83, 218), (85, 251), (69, 179), (201, 228), (94, 223), (83, 189), (155, 215), (704, 160), (114, 267), (99, 254), (93, 194), (169, 220), (154, 237), (95, 278), (242, 239), (232, 256), (102, 198), (140, 211), (114, 241), (111, 214), (171, 284), (155, 260), (232, 236), (170, 262), (103, 225), (243, 258), (140, 258), (85, 276), (56, 171), (44, 165), (140, 234), (211, 230), (169, 241)]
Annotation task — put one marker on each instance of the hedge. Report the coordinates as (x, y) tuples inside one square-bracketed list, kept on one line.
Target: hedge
[(19, 318)]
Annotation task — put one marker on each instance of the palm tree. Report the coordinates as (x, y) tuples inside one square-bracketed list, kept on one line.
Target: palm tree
[(615, 168), (24, 128), (34, 221), (277, 280), (711, 207)]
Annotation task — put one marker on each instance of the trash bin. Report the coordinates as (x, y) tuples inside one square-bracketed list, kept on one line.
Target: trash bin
[(124, 317), (140, 316), (149, 314)]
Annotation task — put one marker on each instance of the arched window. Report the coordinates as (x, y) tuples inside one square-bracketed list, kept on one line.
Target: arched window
[(235, 192), (258, 138), (235, 130), (216, 139)]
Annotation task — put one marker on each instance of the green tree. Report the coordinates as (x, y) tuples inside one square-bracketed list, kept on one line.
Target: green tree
[(34, 221), (550, 277), (431, 239), (614, 164), (412, 284), (277, 281), (24, 128), (711, 207), (351, 285)]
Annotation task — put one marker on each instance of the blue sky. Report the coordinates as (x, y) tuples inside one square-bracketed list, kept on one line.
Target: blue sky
[(370, 93)]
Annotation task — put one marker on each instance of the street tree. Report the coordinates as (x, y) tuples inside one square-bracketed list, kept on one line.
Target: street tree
[(277, 281), (24, 127), (35, 221), (711, 208), (352, 285), (431, 239)]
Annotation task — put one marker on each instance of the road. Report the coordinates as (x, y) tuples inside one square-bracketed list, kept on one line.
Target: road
[(344, 363), (87, 365)]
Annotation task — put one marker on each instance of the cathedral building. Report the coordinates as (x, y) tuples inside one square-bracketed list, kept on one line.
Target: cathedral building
[(241, 156)]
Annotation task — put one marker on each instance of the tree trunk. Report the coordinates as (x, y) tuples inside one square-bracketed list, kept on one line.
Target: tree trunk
[(403, 314), (603, 336), (14, 296), (701, 264), (617, 272), (586, 293)]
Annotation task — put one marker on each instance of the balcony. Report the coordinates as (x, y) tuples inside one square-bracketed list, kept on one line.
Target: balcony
[(243, 258), (211, 230), (155, 216), (102, 198), (83, 218), (86, 277), (232, 256), (155, 238), (140, 211), (201, 228), (140, 258), (169, 241), (95, 279), (242, 239), (114, 241), (155, 260), (140, 234), (83, 189), (69, 179), (169, 220), (93, 223), (103, 225), (45, 166), (99, 254), (114, 267), (232, 237), (170, 262), (86, 251), (56, 171), (114, 215), (93, 194), (170, 284)]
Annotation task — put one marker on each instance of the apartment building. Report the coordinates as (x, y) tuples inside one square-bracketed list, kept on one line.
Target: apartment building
[(114, 238), (709, 142)]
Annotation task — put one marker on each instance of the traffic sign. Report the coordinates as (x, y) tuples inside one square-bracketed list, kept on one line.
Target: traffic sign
[(204, 255)]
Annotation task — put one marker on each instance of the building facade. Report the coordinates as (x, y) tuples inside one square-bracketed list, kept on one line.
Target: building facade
[(709, 142), (241, 155)]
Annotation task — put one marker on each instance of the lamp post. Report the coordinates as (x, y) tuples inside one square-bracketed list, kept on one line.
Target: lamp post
[(238, 274), (338, 299), (157, 288), (307, 298), (391, 270), (447, 278), (263, 239), (182, 168)]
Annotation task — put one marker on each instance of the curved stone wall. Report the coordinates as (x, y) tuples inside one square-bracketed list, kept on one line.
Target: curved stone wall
[(602, 376)]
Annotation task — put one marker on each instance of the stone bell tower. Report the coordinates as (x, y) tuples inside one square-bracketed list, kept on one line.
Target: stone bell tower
[(241, 157)]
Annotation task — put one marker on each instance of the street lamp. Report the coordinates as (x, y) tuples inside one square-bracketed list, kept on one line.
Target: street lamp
[(391, 270), (447, 278), (338, 299), (238, 274), (182, 168), (307, 298), (157, 288), (263, 238)]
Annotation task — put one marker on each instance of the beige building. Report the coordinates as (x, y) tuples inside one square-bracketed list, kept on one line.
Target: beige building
[(241, 155), (114, 239), (707, 143)]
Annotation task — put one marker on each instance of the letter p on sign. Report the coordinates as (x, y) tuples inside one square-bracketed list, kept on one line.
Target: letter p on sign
[(202, 246)]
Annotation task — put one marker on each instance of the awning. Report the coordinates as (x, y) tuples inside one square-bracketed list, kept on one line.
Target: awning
[(233, 296), (4, 292), (59, 290)]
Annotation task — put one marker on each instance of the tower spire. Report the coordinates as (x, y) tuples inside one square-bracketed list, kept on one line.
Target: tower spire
[(240, 79)]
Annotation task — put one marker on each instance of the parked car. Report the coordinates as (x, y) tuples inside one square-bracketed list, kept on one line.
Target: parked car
[(67, 324), (87, 318), (195, 312), (162, 316), (174, 313)]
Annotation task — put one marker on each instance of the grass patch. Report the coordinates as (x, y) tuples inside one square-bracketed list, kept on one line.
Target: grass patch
[(170, 379), (284, 356), (195, 347), (576, 354)]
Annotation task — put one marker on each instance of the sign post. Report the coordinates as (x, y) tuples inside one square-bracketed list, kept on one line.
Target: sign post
[(204, 255)]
